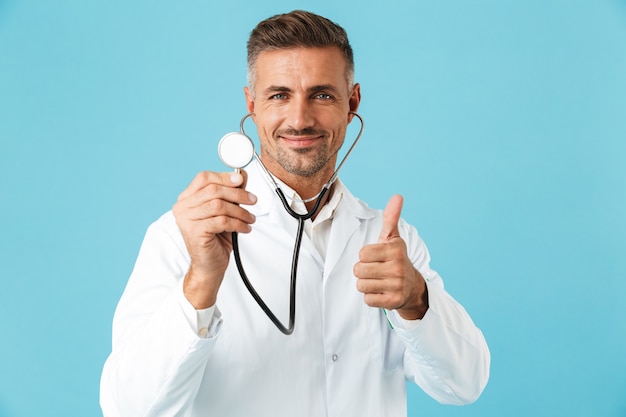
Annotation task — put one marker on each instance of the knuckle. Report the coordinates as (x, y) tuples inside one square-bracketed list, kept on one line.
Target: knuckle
[(217, 206), (221, 222), (395, 300), (204, 176), (212, 188), (396, 252), (397, 270), (179, 214), (363, 253)]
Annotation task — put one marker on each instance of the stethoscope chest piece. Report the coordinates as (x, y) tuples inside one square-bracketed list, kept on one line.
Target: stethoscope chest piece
[(236, 150)]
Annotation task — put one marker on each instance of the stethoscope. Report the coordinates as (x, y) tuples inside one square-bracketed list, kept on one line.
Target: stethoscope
[(236, 150)]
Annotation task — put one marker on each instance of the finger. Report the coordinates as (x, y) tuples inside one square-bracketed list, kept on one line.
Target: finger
[(382, 264), (244, 183), (214, 193), (391, 217), (382, 300), (225, 224), (209, 186), (378, 285), (382, 252), (212, 219), (204, 178), (365, 286), (218, 208)]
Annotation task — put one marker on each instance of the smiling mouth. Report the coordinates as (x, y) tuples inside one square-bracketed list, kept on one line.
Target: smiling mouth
[(300, 141)]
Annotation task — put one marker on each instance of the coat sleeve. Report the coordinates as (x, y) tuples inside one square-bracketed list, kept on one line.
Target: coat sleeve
[(157, 359), (446, 354)]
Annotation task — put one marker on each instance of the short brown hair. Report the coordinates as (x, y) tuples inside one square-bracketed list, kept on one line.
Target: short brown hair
[(297, 29)]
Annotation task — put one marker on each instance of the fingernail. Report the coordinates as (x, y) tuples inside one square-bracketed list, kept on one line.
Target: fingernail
[(236, 178), (252, 198)]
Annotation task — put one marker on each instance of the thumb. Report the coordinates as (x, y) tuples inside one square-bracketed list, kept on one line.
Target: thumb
[(245, 179), (391, 216), (239, 178)]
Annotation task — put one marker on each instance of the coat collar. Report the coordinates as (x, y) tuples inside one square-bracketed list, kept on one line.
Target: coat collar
[(347, 218), (268, 201)]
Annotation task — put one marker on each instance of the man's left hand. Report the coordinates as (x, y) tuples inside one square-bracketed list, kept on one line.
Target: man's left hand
[(385, 274)]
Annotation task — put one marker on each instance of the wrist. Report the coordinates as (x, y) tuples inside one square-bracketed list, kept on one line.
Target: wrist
[(200, 289), (419, 307), (412, 313)]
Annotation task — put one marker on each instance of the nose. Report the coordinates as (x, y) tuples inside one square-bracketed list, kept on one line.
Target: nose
[(300, 114)]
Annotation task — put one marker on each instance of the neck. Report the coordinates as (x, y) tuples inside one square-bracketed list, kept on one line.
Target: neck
[(309, 190), (307, 187), (309, 193), (311, 204)]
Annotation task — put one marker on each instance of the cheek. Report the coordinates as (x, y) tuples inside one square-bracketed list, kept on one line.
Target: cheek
[(338, 119), (340, 132), (260, 120), (268, 121)]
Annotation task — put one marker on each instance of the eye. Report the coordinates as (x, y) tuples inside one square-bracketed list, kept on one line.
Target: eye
[(278, 96), (323, 96)]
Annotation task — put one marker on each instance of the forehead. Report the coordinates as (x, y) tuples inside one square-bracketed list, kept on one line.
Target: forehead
[(301, 67)]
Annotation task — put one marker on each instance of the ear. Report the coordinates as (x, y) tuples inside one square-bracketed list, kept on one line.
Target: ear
[(355, 97), (354, 101), (249, 100)]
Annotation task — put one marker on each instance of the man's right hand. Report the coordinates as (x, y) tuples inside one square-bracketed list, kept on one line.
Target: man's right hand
[(207, 212)]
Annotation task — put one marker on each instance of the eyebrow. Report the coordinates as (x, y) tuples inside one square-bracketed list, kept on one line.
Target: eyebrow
[(314, 89), (323, 87)]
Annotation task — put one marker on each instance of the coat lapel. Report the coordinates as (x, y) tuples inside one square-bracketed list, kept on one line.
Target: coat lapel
[(348, 218)]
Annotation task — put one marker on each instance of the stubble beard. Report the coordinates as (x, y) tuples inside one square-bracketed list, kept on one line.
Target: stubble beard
[(307, 163), (303, 162)]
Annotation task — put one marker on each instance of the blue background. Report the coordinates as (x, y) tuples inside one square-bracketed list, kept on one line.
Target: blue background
[(503, 123)]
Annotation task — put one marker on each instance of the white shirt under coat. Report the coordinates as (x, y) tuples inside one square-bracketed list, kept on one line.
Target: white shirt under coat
[(343, 358)]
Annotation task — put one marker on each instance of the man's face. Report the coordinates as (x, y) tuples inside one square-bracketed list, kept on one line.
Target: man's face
[(301, 103)]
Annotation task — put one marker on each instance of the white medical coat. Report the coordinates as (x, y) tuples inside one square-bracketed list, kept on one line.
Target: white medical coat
[(343, 358)]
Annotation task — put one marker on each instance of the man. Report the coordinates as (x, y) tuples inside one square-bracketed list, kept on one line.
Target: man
[(188, 339)]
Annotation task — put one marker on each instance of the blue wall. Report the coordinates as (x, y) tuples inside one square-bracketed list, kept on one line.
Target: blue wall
[(502, 122)]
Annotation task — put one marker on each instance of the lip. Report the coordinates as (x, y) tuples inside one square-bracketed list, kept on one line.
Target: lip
[(300, 141)]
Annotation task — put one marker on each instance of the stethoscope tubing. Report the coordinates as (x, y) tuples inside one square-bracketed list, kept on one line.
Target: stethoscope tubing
[(287, 330)]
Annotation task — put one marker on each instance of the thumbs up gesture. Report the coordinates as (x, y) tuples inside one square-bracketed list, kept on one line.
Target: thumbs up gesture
[(385, 274)]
